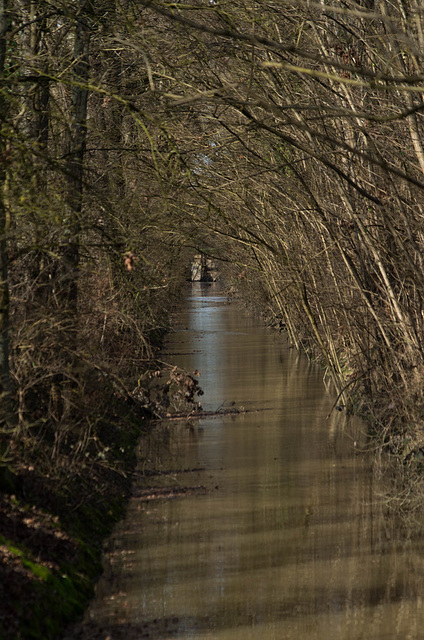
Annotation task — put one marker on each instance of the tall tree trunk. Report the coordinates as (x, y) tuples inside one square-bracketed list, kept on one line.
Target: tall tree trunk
[(70, 250), (38, 104), (7, 479), (75, 164), (4, 281)]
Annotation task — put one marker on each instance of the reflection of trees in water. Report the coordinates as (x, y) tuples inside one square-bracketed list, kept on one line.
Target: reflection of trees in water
[(299, 513), (169, 445)]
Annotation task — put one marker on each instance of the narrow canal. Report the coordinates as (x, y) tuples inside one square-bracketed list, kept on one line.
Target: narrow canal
[(278, 529)]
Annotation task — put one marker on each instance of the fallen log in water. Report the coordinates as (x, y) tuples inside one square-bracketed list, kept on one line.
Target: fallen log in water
[(166, 493), (208, 414)]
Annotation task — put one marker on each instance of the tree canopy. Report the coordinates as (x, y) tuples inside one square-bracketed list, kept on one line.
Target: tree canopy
[(284, 138)]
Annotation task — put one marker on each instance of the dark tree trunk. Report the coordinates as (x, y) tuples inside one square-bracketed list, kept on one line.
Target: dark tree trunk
[(75, 164), (6, 478), (4, 281)]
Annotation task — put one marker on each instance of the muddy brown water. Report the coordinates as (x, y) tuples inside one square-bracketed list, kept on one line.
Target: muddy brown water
[(277, 528)]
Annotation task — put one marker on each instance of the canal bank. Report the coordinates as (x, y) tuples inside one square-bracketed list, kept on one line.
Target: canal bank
[(264, 522), (53, 529)]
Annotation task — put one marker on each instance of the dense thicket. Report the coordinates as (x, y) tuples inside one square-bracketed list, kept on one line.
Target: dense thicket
[(284, 137), (88, 270), (309, 168)]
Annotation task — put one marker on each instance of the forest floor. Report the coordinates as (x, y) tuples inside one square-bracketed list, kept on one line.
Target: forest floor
[(53, 524)]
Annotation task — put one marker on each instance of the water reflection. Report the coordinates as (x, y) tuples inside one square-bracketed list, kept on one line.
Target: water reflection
[(289, 540)]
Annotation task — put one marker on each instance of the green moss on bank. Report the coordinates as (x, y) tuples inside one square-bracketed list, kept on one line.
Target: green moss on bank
[(53, 527)]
